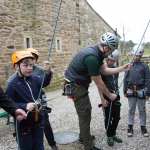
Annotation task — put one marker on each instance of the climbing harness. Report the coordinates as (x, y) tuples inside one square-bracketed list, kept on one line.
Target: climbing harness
[(67, 88), (115, 102), (135, 94), (77, 98), (27, 130), (117, 92)]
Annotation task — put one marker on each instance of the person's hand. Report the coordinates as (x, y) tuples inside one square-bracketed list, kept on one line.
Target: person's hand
[(20, 114), (126, 67), (125, 95), (105, 103), (112, 96), (47, 67), (147, 97), (30, 106)]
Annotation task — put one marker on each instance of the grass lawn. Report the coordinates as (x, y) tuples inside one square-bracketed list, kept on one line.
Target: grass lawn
[(129, 58), (146, 52)]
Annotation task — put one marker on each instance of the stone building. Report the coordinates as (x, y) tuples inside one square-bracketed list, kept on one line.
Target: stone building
[(30, 23)]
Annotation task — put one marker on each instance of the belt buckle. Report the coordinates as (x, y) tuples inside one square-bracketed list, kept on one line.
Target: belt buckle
[(24, 131)]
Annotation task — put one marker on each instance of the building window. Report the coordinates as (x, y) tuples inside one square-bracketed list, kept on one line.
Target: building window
[(27, 42), (58, 45)]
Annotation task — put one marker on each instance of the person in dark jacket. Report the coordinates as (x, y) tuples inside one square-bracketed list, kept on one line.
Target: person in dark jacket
[(24, 91), (10, 106), (137, 90), (111, 82), (86, 65), (39, 71)]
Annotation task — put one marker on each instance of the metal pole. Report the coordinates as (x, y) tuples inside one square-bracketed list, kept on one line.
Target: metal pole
[(117, 59)]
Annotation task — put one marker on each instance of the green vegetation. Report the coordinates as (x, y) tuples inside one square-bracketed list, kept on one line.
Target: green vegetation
[(147, 52), (129, 58)]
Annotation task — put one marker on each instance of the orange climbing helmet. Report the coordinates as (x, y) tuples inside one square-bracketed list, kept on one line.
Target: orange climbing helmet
[(33, 51), (19, 55)]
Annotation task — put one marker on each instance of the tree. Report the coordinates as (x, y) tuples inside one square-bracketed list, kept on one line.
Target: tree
[(127, 29)]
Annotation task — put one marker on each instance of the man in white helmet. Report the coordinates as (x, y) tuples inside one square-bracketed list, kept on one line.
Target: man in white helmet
[(86, 65), (137, 90), (111, 82)]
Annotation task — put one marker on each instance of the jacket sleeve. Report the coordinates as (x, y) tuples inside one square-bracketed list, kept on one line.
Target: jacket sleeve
[(125, 85), (47, 79), (7, 104), (11, 94), (147, 78)]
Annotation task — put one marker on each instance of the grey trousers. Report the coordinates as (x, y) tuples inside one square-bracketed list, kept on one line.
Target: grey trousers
[(132, 108), (83, 109)]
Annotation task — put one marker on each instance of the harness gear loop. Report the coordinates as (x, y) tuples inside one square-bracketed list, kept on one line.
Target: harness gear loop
[(77, 85), (68, 83)]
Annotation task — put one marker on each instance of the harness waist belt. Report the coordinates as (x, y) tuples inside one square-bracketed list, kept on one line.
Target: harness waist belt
[(77, 98), (138, 87), (29, 129), (135, 95)]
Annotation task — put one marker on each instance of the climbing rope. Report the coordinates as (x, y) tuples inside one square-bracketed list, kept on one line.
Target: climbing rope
[(50, 47), (117, 92), (38, 100), (134, 54), (101, 146), (17, 134)]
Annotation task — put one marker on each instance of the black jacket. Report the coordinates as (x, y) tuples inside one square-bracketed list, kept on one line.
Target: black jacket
[(138, 75), (6, 103), (111, 82), (77, 70)]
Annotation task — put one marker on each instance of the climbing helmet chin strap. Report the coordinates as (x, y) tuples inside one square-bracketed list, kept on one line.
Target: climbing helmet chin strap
[(20, 70), (106, 51)]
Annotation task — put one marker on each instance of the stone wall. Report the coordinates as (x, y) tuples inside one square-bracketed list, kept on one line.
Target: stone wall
[(78, 26)]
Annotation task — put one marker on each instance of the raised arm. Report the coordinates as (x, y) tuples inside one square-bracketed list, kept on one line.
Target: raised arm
[(110, 71)]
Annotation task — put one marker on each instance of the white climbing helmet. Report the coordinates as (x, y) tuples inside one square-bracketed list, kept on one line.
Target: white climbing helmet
[(140, 50), (114, 55), (110, 40)]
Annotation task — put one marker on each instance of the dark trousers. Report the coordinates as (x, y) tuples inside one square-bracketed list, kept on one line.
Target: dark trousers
[(32, 140), (83, 109), (48, 130), (114, 119)]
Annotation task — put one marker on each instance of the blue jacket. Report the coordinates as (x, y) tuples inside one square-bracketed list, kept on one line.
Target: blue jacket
[(25, 90)]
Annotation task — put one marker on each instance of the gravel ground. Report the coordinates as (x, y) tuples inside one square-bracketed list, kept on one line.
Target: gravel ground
[(64, 118)]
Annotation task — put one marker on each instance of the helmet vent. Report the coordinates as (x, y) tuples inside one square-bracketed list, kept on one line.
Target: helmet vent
[(109, 37), (112, 40)]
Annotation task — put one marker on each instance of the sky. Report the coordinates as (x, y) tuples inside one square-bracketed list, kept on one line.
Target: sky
[(134, 15)]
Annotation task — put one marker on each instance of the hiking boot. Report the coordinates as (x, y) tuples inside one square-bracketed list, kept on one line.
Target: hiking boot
[(55, 147), (95, 148), (144, 131), (130, 131), (110, 141), (117, 139), (81, 141)]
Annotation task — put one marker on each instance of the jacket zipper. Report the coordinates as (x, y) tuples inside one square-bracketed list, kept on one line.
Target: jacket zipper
[(29, 89)]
